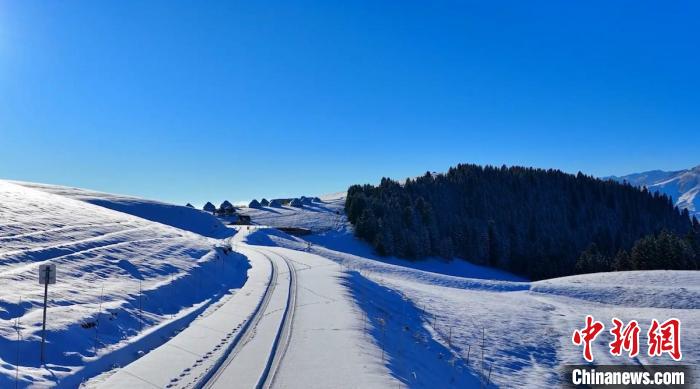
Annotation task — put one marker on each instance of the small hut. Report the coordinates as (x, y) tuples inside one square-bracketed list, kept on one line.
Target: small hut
[(276, 203), (264, 202), (209, 207), (254, 204), (226, 208), (296, 203)]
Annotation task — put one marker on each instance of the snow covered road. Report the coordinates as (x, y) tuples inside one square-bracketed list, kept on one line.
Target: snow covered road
[(253, 361), (312, 334), (329, 347), (294, 324)]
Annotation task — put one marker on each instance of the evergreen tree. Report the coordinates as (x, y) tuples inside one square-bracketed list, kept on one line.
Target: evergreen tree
[(592, 261), (623, 261), (533, 222)]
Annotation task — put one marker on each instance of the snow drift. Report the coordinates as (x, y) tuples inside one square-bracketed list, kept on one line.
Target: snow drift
[(125, 284)]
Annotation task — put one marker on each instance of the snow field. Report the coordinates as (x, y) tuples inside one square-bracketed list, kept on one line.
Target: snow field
[(188, 359), (122, 281)]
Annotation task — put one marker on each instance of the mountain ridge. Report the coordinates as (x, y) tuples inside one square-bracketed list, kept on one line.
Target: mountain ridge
[(683, 186)]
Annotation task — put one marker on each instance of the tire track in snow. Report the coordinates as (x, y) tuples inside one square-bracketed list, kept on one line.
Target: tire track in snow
[(248, 333), (285, 332)]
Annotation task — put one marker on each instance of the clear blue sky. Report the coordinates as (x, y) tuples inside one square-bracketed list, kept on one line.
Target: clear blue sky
[(191, 101)]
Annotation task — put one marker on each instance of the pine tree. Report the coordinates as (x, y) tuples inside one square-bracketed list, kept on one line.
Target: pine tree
[(530, 221), (592, 261)]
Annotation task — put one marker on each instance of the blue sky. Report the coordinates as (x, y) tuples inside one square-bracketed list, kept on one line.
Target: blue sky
[(192, 101)]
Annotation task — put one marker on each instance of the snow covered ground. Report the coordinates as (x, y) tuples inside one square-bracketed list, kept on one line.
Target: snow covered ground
[(125, 284), (495, 326), (317, 311)]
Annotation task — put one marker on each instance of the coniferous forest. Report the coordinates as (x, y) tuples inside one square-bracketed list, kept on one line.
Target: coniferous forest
[(534, 222)]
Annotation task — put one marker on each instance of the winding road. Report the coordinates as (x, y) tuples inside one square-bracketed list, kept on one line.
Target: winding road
[(253, 360)]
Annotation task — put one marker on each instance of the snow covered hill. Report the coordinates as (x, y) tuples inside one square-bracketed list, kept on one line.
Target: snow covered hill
[(327, 215), (179, 216), (683, 186), (125, 284)]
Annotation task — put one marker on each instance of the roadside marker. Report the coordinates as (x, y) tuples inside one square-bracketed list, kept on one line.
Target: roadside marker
[(47, 275)]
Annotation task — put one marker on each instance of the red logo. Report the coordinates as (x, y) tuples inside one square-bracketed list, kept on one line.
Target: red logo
[(587, 335), (662, 338), (665, 338), (626, 338)]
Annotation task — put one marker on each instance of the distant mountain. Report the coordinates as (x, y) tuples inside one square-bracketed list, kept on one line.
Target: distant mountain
[(683, 186)]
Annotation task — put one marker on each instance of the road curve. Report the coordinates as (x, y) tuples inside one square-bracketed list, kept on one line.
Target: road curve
[(253, 360), (285, 330), (248, 332)]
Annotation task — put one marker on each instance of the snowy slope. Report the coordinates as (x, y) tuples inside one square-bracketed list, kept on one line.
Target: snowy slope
[(472, 323), (683, 186), (179, 216), (324, 216), (109, 264)]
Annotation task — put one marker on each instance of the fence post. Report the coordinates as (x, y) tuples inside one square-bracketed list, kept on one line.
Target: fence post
[(97, 321), (19, 340), (140, 305)]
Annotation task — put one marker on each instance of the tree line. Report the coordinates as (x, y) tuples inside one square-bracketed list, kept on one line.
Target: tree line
[(534, 222)]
